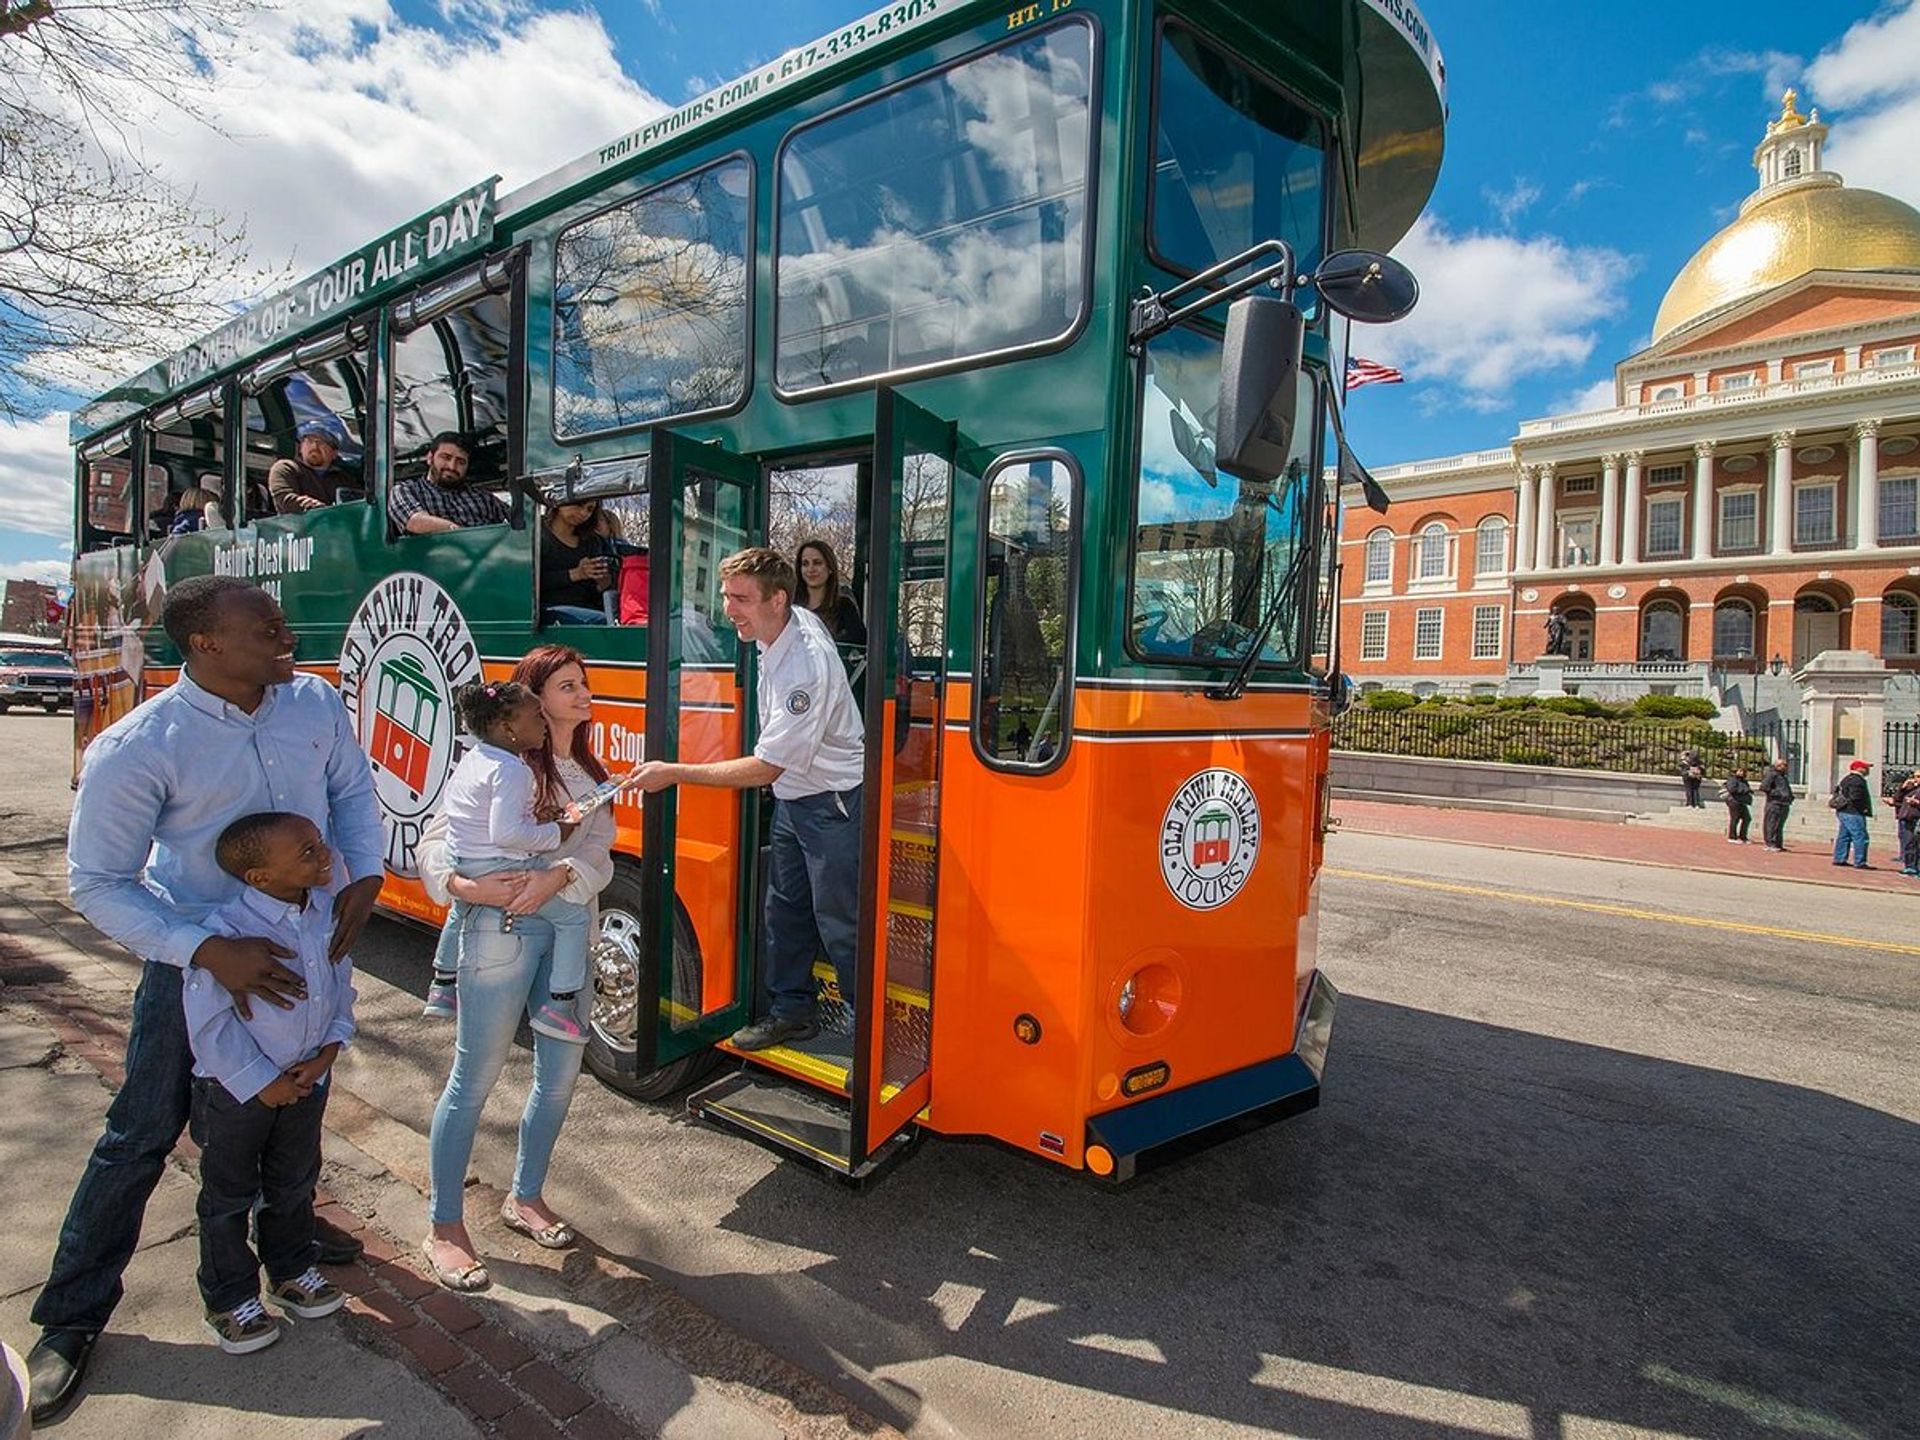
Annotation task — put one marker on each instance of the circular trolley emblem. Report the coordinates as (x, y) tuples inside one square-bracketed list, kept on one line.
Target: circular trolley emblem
[(407, 649), (1209, 839)]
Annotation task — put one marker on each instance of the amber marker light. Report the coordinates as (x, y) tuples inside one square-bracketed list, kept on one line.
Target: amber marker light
[(1099, 1160)]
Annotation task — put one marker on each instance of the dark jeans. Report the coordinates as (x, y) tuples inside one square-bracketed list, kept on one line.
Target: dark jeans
[(1773, 824), (1692, 785), (813, 898), (102, 1227), (252, 1152), (1739, 818)]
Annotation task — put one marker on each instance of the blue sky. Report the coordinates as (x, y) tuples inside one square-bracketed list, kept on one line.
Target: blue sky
[(1592, 149)]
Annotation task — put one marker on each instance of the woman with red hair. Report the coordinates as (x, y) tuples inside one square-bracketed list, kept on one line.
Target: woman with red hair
[(502, 953)]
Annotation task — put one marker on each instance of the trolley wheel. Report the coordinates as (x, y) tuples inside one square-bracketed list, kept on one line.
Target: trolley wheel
[(616, 1001)]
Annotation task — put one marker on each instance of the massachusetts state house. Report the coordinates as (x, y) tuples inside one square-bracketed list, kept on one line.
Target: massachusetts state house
[(1751, 500)]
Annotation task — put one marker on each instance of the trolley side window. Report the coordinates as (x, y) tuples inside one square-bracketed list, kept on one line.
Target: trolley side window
[(107, 512), (1212, 553), (939, 221), (450, 373), (1023, 700), (186, 464), (303, 411), (650, 306)]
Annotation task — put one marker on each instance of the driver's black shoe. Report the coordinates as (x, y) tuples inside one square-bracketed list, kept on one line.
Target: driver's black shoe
[(765, 1034), (334, 1246), (55, 1368)]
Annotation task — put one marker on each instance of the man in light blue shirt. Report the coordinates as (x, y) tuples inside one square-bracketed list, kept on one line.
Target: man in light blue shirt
[(239, 732)]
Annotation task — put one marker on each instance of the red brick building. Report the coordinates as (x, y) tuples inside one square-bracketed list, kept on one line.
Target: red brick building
[(1754, 493)]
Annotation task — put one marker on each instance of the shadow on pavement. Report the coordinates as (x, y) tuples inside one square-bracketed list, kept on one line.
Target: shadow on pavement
[(1481, 1231)]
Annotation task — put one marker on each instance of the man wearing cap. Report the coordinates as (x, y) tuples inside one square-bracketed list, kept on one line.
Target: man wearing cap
[(1852, 803), (311, 482)]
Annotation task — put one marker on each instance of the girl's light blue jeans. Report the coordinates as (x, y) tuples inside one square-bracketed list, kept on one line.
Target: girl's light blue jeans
[(570, 923), (502, 973)]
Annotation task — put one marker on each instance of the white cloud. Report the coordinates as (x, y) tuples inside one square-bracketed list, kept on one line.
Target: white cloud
[(36, 476), (1597, 396), (1869, 75), (1511, 203), (1497, 309), (48, 572), (337, 120)]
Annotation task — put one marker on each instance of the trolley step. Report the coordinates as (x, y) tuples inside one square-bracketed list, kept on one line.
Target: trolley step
[(792, 1118)]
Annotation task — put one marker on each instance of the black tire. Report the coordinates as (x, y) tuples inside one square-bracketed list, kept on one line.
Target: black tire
[(5, 705), (610, 1042), (53, 709)]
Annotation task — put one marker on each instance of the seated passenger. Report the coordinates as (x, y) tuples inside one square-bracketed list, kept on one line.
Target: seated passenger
[(577, 566), (441, 500), (313, 481), (199, 509)]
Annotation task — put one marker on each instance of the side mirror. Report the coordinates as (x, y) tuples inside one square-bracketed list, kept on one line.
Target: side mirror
[(1259, 387)]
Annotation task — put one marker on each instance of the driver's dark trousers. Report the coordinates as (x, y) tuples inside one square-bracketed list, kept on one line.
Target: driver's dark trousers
[(813, 898)]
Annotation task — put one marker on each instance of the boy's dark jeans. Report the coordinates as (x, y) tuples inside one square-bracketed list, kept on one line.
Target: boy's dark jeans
[(254, 1152)]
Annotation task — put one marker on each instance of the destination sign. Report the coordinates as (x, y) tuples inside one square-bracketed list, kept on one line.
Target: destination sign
[(449, 232)]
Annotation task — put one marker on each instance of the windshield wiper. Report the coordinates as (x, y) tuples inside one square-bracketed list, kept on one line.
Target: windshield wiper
[(1282, 597)]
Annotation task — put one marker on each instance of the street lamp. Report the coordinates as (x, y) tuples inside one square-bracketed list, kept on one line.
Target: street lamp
[(1776, 665)]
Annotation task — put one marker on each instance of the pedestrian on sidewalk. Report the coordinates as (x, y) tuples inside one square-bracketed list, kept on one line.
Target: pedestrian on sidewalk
[(260, 1085), (1739, 797), (503, 953), (240, 731), (1779, 792), (1692, 771), (1906, 814), (1852, 803)]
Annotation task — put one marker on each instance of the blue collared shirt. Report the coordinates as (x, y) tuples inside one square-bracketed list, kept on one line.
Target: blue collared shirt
[(158, 787), (246, 1056)]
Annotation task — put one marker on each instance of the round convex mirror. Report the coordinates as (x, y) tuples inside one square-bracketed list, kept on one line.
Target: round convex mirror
[(1366, 286)]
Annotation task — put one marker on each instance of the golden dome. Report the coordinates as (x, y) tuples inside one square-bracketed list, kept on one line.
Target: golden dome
[(1780, 238)]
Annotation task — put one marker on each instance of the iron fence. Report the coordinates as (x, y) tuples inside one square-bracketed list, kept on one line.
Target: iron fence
[(1788, 738), (1623, 746), (1903, 744)]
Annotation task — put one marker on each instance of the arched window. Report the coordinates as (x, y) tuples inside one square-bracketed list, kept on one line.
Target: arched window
[(1732, 629), (1380, 558), (1490, 546), (1899, 626), (1790, 167), (1663, 631), (1431, 563)]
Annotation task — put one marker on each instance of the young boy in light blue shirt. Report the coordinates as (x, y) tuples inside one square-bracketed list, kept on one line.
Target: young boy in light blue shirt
[(260, 1084)]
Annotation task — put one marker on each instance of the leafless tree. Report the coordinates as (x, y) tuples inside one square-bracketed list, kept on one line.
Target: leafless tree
[(104, 261)]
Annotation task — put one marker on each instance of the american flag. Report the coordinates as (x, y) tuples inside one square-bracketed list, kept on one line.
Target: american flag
[(1370, 372)]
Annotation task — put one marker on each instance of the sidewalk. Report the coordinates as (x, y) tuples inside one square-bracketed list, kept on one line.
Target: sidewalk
[(1806, 858), (574, 1342)]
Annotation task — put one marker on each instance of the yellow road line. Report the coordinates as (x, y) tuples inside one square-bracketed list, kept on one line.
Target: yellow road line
[(1598, 907)]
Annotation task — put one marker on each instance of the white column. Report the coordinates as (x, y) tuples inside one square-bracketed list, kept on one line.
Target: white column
[(1780, 497), (1703, 500), (1630, 526), (1546, 542), (1609, 508), (1866, 436), (1523, 522)]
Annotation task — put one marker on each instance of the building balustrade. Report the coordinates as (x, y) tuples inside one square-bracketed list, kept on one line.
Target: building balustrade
[(1716, 400)]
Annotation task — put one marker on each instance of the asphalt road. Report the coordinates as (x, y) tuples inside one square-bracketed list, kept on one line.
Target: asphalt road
[(1576, 1175)]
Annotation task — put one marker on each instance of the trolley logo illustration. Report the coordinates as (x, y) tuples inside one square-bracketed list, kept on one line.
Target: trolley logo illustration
[(1209, 839), (406, 650)]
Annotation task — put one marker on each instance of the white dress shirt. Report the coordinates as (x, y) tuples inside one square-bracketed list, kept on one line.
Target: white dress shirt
[(809, 724)]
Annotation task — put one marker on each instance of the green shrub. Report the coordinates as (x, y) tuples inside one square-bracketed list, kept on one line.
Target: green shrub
[(1390, 700), (1449, 726), (1576, 705), (1675, 707), (1483, 700), (1514, 702), (1526, 755)]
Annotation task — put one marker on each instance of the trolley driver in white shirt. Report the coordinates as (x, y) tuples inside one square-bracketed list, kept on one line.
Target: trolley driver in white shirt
[(811, 751)]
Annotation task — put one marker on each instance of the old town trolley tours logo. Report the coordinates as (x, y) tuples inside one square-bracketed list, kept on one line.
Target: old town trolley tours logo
[(1209, 839), (407, 650)]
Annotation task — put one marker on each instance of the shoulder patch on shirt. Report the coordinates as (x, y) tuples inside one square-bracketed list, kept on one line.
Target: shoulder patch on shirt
[(799, 702)]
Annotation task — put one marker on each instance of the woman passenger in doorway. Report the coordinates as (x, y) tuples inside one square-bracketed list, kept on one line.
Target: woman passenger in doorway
[(504, 957), (820, 592), (577, 566)]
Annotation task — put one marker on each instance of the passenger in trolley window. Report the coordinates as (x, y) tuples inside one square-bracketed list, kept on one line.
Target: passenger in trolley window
[(314, 480), (812, 752), (442, 500), (823, 592)]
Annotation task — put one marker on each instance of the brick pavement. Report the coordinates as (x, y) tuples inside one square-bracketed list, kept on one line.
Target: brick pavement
[(467, 1347), (1805, 859)]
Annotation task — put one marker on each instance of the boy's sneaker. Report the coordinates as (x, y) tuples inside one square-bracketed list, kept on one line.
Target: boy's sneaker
[(559, 1020), (244, 1329), (308, 1295), (443, 1001)]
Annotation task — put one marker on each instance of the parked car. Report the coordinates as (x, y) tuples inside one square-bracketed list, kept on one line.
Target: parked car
[(35, 677)]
